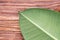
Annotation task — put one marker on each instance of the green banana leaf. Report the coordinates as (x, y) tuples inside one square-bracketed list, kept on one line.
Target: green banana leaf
[(40, 24)]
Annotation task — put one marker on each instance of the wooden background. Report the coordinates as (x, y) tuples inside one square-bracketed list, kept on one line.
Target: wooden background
[(9, 18)]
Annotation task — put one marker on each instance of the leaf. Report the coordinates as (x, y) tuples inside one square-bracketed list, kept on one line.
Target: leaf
[(40, 24)]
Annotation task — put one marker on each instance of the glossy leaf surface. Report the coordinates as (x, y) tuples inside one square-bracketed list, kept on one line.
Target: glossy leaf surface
[(40, 24)]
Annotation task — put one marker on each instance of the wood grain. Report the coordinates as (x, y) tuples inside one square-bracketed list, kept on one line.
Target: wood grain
[(9, 18)]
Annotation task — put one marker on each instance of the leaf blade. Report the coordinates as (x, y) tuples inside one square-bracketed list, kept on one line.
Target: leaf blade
[(38, 18)]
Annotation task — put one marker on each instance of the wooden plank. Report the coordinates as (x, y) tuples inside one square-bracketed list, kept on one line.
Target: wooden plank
[(24, 0)]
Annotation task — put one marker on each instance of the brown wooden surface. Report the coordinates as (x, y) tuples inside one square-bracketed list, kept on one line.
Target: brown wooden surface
[(9, 19)]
